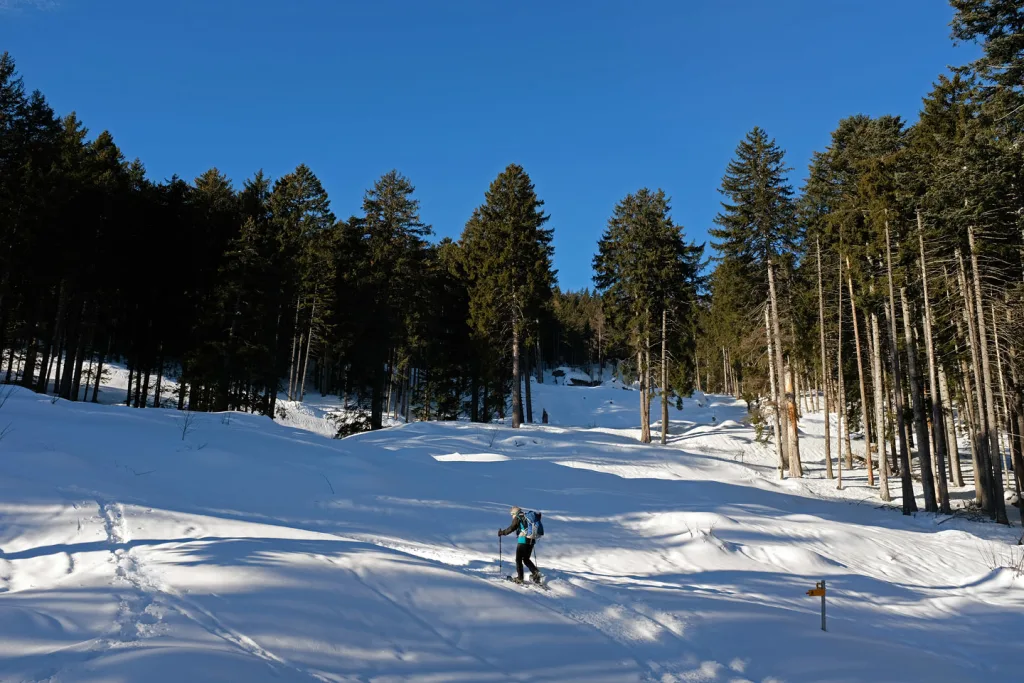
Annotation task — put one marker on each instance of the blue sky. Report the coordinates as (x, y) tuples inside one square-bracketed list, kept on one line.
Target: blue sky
[(594, 98)]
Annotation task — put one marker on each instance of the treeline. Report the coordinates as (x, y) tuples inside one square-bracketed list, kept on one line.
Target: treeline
[(242, 294), (892, 285)]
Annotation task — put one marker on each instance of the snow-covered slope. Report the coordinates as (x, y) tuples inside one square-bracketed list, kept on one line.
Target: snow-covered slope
[(134, 547)]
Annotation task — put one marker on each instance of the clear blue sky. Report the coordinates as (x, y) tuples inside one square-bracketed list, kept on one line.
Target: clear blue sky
[(595, 98)]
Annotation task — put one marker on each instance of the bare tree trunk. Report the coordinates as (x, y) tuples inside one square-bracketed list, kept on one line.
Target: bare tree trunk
[(664, 377), (649, 381), (909, 502), (795, 467), (841, 387), (955, 474), (779, 367), (979, 429), (526, 380), (1002, 393), (860, 377), (309, 346), (159, 380), (990, 414), (824, 365), (99, 374), (540, 360), (777, 404), (938, 422), (696, 370), (645, 420), (296, 346), (876, 380), (128, 399), (917, 400), (725, 372), (144, 398), (517, 406)]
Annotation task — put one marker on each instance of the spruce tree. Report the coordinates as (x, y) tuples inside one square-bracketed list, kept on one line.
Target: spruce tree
[(508, 258), (758, 234), (643, 268)]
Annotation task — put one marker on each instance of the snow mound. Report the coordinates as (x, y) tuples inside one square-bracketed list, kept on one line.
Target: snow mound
[(471, 457)]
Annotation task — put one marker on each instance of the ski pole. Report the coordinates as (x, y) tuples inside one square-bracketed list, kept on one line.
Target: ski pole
[(499, 555)]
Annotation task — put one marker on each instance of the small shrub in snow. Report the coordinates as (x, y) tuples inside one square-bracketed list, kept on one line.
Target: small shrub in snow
[(187, 421), (350, 423), (758, 420), (5, 395)]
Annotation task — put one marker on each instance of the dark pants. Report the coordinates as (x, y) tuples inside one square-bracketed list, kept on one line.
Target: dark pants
[(523, 552)]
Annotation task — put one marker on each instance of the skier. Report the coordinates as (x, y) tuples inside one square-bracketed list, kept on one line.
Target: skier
[(524, 546)]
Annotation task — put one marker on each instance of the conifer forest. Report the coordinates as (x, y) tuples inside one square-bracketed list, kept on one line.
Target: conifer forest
[(884, 286)]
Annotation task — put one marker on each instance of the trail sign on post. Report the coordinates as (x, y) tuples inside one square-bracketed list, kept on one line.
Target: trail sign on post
[(819, 590)]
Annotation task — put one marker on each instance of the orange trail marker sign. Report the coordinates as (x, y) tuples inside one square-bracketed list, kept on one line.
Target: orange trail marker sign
[(819, 590)]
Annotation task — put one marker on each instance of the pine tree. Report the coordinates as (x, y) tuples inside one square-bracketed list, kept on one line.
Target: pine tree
[(758, 234), (644, 268), (508, 258)]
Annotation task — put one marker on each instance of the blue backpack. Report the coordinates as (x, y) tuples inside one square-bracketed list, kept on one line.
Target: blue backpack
[(532, 524)]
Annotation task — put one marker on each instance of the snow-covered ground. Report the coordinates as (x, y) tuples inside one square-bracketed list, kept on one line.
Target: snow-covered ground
[(136, 547)]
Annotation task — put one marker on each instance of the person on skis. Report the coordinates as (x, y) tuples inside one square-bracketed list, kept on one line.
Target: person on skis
[(524, 545)]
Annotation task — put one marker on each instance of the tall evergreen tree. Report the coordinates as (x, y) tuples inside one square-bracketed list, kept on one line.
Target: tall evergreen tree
[(508, 258), (644, 268)]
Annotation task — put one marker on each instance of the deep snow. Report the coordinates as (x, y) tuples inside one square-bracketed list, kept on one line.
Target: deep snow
[(250, 550)]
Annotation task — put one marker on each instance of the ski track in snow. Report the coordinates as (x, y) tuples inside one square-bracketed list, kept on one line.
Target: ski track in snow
[(225, 555)]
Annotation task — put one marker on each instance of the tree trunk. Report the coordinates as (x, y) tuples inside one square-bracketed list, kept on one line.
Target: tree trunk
[(526, 380), (474, 396), (917, 401), (779, 367), (860, 377), (128, 392), (159, 381), (953, 447), (517, 406), (377, 395), (649, 381), (776, 403), (1002, 393), (938, 421), (909, 502), (296, 345), (979, 429), (795, 467), (144, 394), (75, 324), (840, 387), (664, 377), (645, 405), (309, 346), (877, 382), (725, 372), (53, 345), (696, 370), (97, 378), (407, 404), (540, 359), (990, 415)]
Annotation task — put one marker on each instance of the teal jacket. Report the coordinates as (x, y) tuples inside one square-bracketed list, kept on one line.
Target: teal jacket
[(518, 526)]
